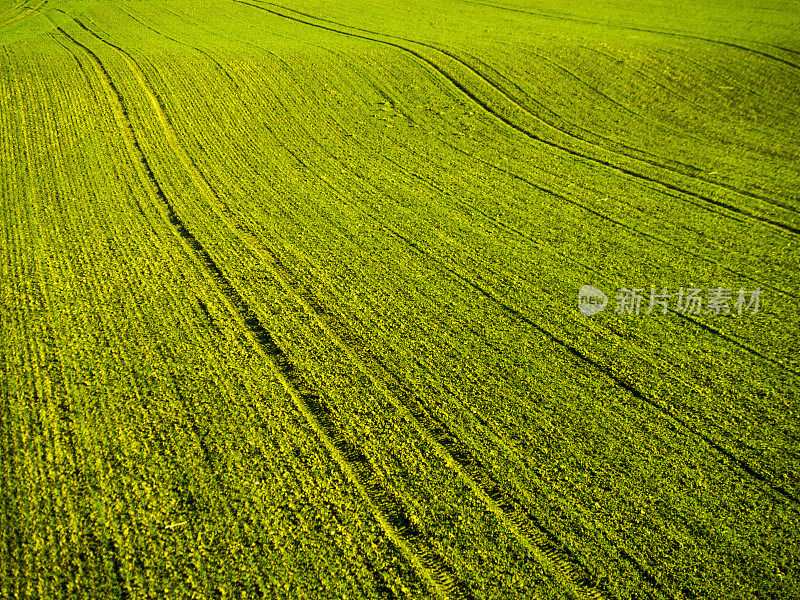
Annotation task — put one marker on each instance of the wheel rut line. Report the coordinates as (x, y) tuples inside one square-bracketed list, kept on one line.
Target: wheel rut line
[(216, 63), (510, 123), (785, 49), (147, 218), (564, 563), (653, 163), (501, 224), (762, 151), (606, 371), (25, 13), (729, 77), (646, 76), (555, 253), (644, 30), (594, 89), (696, 322), (618, 223), (550, 192), (735, 342), (387, 509), (514, 102), (677, 167)]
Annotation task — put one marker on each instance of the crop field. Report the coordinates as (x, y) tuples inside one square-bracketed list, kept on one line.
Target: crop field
[(453, 299)]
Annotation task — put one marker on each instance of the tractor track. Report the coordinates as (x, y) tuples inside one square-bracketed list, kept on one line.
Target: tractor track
[(529, 532), (326, 424), (517, 315), (679, 34), (708, 201), (24, 13), (388, 510)]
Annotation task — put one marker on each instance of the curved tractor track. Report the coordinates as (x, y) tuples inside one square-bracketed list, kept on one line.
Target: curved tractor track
[(389, 511), (322, 347)]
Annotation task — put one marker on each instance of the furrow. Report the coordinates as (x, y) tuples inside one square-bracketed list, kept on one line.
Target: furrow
[(690, 171), (217, 66), (387, 509), (518, 104), (616, 222), (582, 357), (453, 451), (673, 166), (594, 89), (24, 13), (643, 29), (510, 228), (515, 231), (519, 128), (716, 73)]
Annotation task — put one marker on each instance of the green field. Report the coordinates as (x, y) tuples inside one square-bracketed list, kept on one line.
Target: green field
[(289, 299)]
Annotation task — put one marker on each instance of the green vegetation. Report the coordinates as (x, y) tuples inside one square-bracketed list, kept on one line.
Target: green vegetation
[(288, 299)]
